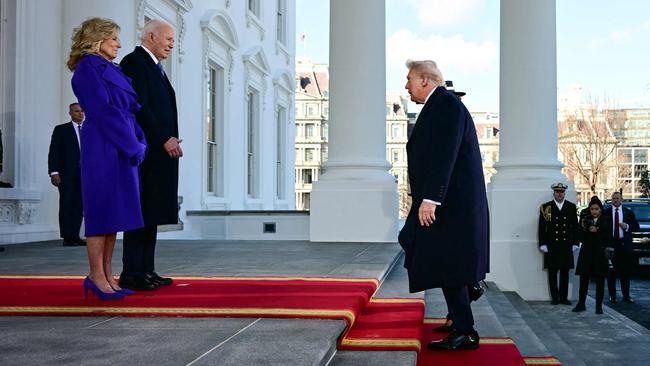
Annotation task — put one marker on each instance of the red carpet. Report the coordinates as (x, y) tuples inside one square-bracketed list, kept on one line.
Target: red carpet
[(387, 324), (373, 324), (275, 297), (491, 352)]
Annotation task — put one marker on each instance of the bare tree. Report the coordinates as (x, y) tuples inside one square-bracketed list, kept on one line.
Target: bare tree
[(587, 147)]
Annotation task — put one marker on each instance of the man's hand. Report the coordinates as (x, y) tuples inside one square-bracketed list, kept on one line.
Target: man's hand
[(543, 248), (55, 179), (173, 147), (593, 229), (427, 213), (624, 226)]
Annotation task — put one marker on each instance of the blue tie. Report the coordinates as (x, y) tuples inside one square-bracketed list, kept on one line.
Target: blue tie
[(160, 67)]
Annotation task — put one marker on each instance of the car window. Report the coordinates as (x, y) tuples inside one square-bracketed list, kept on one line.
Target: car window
[(642, 213)]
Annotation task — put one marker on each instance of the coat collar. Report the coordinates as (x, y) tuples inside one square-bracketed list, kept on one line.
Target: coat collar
[(427, 105), (111, 73)]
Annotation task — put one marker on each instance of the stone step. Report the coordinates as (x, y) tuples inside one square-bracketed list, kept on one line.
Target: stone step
[(281, 342), (554, 344)]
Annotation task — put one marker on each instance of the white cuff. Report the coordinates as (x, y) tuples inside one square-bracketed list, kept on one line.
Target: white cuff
[(430, 201), (54, 173)]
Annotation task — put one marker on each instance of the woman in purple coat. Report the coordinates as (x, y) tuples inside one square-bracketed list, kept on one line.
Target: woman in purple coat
[(112, 147)]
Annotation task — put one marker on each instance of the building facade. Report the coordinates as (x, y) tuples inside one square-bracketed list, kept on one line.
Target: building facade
[(232, 68), (312, 115)]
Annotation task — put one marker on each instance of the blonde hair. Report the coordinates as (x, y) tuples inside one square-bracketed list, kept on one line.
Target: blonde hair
[(426, 69), (88, 37)]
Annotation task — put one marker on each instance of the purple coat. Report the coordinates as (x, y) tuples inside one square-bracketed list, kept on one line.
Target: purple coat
[(112, 147)]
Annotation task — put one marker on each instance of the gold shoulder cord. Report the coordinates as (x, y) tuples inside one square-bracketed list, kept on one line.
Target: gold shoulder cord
[(546, 212)]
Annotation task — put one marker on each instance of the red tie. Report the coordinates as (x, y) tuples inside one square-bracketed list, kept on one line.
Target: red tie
[(617, 230)]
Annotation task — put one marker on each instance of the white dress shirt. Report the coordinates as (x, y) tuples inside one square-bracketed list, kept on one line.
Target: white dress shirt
[(155, 60), (621, 232)]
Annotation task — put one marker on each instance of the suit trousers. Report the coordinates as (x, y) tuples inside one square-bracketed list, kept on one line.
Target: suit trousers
[(584, 287), (139, 251), (70, 208), (458, 303), (623, 264), (561, 293)]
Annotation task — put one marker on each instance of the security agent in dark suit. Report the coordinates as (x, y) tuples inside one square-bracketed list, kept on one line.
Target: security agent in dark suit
[(445, 236), (65, 174), (558, 238), (621, 222), (158, 118)]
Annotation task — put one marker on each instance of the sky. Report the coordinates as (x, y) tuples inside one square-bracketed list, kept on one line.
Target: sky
[(603, 47)]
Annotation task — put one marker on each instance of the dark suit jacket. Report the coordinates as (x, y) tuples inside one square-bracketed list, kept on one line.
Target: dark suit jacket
[(158, 118), (64, 152), (628, 218), (444, 165)]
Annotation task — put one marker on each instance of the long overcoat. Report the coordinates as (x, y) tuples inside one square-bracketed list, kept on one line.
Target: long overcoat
[(444, 165), (112, 147), (158, 118), (559, 231), (592, 260)]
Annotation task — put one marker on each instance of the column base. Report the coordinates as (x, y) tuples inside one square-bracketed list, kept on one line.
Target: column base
[(516, 264), (354, 211)]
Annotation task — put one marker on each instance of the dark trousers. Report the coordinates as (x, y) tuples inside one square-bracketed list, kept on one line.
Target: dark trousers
[(457, 299), (623, 264), (561, 293), (70, 209), (139, 251), (584, 287)]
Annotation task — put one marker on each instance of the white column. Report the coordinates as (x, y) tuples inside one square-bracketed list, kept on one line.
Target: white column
[(356, 198), (528, 162)]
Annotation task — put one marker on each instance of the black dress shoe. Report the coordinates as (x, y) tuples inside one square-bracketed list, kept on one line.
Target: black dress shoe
[(69, 243), (579, 307), (80, 243), (444, 329), (137, 283), (613, 300), (160, 281), (456, 341), (599, 310), (476, 291), (554, 302), (565, 302), (628, 300)]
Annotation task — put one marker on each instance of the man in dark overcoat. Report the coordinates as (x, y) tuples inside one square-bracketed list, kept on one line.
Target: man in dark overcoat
[(158, 118), (63, 164), (621, 222), (445, 236), (558, 237)]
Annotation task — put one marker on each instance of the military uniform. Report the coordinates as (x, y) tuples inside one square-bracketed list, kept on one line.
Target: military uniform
[(558, 231)]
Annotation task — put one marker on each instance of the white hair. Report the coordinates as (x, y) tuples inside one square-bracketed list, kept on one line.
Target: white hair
[(153, 26), (426, 69)]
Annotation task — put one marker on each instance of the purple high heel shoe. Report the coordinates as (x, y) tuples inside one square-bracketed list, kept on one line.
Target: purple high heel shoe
[(90, 285)]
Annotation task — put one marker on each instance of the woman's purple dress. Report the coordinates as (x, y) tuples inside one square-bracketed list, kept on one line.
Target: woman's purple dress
[(112, 147)]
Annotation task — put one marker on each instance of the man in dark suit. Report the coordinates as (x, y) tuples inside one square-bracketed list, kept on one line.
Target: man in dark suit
[(445, 237), (558, 237), (158, 118), (621, 222), (65, 174)]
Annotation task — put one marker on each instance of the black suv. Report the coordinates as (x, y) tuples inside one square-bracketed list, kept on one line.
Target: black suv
[(640, 239)]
